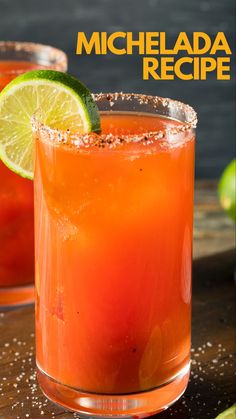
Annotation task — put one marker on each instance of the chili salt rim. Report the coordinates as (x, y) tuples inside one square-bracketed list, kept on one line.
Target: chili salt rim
[(111, 140), (56, 58)]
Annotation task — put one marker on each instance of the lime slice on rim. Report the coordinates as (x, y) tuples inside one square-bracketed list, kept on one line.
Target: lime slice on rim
[(229, 413), (65, 103)]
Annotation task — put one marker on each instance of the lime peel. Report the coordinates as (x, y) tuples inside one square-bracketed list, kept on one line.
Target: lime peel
[(229, 413)]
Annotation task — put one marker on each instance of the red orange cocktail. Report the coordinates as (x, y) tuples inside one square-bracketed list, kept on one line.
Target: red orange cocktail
[(16, 193), (113, 217)]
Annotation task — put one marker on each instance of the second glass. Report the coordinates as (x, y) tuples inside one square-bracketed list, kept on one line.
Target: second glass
[(16, 193)]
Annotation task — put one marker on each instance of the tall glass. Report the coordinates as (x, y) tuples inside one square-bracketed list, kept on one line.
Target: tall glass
[(113, 221), (16, 194)]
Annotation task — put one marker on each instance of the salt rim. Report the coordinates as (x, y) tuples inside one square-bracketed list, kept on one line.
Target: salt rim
[(111, 140), (56, 58)]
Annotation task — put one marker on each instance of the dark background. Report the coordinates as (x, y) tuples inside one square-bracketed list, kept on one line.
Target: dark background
[(57, 22)]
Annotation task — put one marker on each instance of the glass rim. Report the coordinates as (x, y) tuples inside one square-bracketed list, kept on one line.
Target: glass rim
[(91, 139), (57, 55)]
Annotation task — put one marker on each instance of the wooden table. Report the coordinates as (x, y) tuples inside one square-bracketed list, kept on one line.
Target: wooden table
[(212, 386)]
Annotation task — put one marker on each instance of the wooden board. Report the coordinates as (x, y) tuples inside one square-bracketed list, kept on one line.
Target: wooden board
[(212, 386)]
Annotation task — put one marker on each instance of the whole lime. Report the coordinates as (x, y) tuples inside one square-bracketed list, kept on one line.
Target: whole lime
[(227, 189)]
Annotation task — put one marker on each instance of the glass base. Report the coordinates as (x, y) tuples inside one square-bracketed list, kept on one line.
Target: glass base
[(135, 405), (11, 297)]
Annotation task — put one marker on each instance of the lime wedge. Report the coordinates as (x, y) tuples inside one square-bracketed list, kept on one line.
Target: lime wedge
[(65, 103), (227, 189), (228, 413)]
